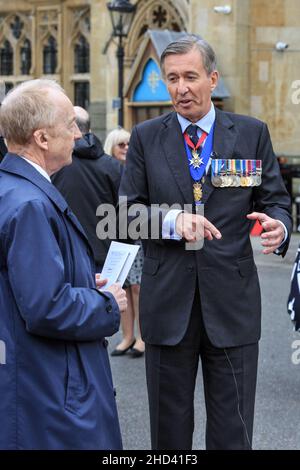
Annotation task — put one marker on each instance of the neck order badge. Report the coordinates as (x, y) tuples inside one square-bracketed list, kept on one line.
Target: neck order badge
[(198, 161)]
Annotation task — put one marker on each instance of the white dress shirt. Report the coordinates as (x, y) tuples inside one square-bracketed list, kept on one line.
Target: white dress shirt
[(38, 168)]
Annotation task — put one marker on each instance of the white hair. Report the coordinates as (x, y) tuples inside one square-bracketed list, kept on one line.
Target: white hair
[(115, 137), (28, 107)]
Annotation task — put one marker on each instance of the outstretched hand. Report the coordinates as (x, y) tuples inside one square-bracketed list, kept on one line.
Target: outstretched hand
[(273, 234)]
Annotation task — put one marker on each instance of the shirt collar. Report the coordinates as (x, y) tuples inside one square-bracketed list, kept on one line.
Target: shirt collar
[(204, 123), (38, 168)]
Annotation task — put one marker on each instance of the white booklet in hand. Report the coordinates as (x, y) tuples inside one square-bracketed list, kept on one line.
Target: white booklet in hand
[(118, 262)]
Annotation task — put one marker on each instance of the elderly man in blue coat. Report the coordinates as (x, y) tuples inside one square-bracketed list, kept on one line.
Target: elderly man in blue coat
[(55, 381)]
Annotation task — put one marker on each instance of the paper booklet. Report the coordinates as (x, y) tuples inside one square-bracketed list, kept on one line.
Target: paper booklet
[(118, 262)]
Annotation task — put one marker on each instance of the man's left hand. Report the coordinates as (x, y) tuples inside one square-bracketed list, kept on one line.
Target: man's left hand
[(273, 234)]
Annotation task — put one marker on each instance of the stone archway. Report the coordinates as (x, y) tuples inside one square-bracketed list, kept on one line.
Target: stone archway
[(155, 14)]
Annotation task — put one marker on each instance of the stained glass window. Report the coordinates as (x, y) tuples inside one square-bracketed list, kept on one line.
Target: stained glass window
[(82, 94), (50, 56), (82, 56), (25, 56), (6, 59)]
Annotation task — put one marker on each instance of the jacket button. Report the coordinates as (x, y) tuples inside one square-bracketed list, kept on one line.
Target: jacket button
[(191, 269), (105, 343), (109, 308)]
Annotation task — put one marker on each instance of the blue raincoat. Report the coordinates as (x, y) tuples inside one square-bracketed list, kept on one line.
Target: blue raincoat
[(56, 388)]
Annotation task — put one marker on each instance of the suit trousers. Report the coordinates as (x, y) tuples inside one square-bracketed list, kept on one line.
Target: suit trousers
[(229, 379)]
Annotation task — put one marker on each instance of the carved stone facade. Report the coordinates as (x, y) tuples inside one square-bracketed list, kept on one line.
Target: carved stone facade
[(66, 40), (156, 14), (46, 39)]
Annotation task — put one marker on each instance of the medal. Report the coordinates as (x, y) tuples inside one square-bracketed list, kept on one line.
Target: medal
[(238, 172), (244, 181), (253, 172), (198, 192), (235, 181), (223, 173), (229, 175), (215, 176), (224, 181), (216, 181), (196, 161), (250, 179), (243, 178), (258, 172)]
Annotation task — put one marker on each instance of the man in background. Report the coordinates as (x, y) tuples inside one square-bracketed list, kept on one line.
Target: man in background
[(3, 148)]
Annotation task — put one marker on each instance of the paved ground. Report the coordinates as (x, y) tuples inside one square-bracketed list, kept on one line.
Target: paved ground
[(277, 418)]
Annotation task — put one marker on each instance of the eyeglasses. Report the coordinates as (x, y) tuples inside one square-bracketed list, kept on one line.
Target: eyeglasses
[(122, 145)]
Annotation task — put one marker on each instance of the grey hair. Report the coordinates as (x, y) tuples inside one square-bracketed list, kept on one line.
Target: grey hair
[(84, 125), (185, 45), (113, 138), (28, 107)]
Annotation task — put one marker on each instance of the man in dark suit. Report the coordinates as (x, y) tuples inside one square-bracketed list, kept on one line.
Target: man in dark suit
[(203, 303), (93, 178)]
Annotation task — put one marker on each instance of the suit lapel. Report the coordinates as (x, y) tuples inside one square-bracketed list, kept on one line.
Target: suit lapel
[(225, 137), (173, 147)]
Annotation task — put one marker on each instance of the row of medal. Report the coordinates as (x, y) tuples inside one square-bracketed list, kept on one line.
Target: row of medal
[(234, 173)]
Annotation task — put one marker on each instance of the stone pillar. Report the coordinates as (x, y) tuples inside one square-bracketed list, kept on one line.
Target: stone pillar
[(275, 73), (229, 36), (100, 34)]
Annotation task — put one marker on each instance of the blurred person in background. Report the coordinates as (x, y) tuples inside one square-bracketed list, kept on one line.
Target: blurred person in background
[(293, 304), (116, 144), (3, 148)]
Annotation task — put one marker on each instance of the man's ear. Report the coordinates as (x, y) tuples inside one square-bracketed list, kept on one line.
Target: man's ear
[(40, 137), (214, 77)]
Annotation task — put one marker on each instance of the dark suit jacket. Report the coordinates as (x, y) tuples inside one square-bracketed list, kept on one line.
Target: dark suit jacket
[(224, 270), (92, 179)]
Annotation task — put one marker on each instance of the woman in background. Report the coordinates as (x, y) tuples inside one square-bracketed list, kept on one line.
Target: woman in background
[(294, 295), (116, 144)]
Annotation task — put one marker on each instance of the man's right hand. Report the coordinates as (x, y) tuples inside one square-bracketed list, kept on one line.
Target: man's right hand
[(119, 295), (195, 227)]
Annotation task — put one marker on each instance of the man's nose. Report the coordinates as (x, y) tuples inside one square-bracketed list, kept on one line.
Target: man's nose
[(182, 87)]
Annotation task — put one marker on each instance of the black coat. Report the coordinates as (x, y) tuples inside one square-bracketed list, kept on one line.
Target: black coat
[(3, 148), (224, 271), (92, 179)]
